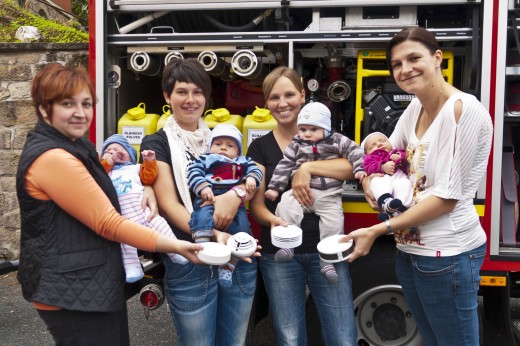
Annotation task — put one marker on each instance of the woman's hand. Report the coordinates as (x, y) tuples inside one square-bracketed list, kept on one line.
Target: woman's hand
[(150, 202), (222, 237), (184, 248), (277, 221), (301, 186), (369, 196), (363, 240), (226, 207), (189, 250)]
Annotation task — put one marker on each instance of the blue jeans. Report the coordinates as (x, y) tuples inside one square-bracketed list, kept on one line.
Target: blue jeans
[(285, 284), (202, 222), (205, 313), (442, 295)]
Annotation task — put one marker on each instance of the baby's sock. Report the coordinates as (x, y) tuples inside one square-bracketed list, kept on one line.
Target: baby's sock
[(395, 207), (225, 272), (131, 263), (201, 236), (134, 274), (383, 200), (176, 258), (283, 255), (329, 271)]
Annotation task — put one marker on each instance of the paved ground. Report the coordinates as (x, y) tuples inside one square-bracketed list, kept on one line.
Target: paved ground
[(21, 326)]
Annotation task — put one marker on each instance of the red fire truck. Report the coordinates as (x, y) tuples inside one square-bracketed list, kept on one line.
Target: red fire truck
[(338, 48)]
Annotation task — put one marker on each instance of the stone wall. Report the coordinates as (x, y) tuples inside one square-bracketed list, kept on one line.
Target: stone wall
[(45, 10), (19, 63)]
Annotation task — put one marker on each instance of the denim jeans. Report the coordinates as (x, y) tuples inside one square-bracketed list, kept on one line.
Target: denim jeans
[(442, 295), (205, 313), (202, 222), (285, 284)]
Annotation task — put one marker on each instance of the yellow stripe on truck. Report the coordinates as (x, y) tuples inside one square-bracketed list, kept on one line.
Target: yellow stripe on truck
[(364, 208)]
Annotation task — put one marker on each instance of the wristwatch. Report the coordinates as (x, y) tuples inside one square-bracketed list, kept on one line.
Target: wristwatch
[(241, 193)]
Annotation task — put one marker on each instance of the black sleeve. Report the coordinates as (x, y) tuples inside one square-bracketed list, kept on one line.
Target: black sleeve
[(157, 142)]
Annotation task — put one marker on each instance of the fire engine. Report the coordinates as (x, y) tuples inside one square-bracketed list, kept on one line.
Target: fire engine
[(338, 48)]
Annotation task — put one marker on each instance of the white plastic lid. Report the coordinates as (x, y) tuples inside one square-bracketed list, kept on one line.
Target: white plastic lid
[(242, 244), (331, 251), (214, 253), (286, 237)]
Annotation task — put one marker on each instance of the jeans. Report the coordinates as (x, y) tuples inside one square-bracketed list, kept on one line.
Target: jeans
[(205, 313), (202, 222), (285, 284), (442, 295)]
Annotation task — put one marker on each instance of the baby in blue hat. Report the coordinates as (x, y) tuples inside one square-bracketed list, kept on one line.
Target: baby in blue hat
[(119, 159)]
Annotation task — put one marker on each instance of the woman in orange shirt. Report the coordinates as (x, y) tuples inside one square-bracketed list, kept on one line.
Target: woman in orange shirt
[(70, 259)]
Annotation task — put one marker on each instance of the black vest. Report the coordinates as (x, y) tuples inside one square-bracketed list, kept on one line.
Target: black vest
[(63, 263)]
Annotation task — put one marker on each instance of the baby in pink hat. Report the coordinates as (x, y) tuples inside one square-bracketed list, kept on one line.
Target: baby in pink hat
[(393, 190)]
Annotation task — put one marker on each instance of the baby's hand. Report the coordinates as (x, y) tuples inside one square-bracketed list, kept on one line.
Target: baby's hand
[(207, 194), (271, 195), (148, 155), (388, 167), (250, 184), (108, 158), (395, 157), (360, 175), (120, 157)]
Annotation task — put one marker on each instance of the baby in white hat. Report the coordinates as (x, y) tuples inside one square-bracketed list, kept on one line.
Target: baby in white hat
[(315, 141), (215, 173)]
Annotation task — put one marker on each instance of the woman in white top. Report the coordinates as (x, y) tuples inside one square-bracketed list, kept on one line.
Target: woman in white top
[(441, 244)]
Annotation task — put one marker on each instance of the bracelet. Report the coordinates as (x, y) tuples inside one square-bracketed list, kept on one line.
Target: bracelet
[(388, 227)]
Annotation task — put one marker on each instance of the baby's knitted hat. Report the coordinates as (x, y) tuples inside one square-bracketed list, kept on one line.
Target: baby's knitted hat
[(315, 113), (120, 139), (370, 135), (227, 130)]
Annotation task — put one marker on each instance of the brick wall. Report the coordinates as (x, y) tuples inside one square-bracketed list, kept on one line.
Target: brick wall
[(19, 63)]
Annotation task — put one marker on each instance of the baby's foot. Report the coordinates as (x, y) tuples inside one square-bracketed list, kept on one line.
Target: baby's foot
[(395, 207), (330, 273), (134, 274), (283, 255), (176, 258), (382, 216), (225, 275)]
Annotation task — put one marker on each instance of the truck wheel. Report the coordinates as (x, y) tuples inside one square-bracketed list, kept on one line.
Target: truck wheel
[(382, 314)]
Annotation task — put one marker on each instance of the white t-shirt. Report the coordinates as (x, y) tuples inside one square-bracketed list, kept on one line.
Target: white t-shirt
[(448, 162)]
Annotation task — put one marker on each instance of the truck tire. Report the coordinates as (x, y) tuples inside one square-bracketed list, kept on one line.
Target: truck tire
[(382, 314)]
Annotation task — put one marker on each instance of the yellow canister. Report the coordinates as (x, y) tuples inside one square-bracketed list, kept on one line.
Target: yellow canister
[(162, 120), (257, 124), (213, 117), (136, 123)]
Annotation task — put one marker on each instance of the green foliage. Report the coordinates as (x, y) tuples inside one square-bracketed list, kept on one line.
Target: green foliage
[(12, 17), (80, 11)]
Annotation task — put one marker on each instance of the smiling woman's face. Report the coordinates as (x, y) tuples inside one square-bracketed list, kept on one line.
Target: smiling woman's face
[(71, 116), (187, 102), (285, 101)]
